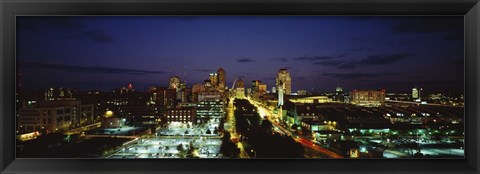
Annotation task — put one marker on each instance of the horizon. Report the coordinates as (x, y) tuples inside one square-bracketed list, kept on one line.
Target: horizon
[(395, 53)]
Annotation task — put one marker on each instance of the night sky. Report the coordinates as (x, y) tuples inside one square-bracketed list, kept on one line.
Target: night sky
[(320, 52)]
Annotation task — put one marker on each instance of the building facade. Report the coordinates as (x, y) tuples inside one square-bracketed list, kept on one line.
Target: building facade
[(211, 107), (182, 115), (222, 79), (284, 81), (54, 116), (371, 98)]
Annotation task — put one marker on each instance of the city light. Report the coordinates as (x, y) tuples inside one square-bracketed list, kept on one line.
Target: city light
[(170, 95)]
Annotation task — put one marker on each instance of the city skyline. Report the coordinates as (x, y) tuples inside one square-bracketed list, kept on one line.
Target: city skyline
[(320, 52)]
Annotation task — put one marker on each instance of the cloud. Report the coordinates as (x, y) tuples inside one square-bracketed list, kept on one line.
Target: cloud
[(348, 65), (90, 69), (316, 58), (245, 60), (94, 35), (384, 58), (380, 59), (349, 76)]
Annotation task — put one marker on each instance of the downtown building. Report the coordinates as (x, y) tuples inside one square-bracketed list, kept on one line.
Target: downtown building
[(182, 115), (59, 94), (240, 89), (221, 80), (258, 89), (210, 107), (162, 97), (369, 98), (54, 116), (284, 81), (417, 94)]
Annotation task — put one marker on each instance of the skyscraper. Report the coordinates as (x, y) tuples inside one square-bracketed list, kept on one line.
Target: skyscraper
[(339, 95), (280, 94), (255, 84), (416, 93), (284, 80), (213, 80), (174, 82), (221, 79), (240, 84), (240, 89)]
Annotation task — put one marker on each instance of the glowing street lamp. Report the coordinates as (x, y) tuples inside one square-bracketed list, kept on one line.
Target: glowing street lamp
[(109, 113)]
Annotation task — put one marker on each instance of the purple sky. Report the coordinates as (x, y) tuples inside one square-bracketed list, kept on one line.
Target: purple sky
[(320, 52)]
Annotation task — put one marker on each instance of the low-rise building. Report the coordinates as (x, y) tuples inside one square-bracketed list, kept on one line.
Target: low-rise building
[(54, 116), (369, 98), (183, 115)]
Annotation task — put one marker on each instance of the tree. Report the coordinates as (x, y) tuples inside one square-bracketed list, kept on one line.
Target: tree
[(180, 147), (208, 131), (191, 150), (266, 126), (181, 150), (215, 131)]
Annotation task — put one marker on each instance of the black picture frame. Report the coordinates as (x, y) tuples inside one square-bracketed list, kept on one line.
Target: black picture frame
[(10, 8)]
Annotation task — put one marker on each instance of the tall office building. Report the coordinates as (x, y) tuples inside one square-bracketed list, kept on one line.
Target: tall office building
[(258, 88), (339, 95), (174, 82), (255, 85), (262, 89), (221, 79), (163, 97), (284, 80), (416, 93), (240, 84), (197, 89), (213, 80), (280, 94), (59, 94), (211, 107), (240, 89)]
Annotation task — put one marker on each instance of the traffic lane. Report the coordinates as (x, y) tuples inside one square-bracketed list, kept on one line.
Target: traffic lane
[(311, 145)]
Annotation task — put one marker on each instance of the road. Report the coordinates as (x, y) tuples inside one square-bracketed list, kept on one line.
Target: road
[(79, 130), (230, 127), (317, 148), (416, 103), (313, 151)]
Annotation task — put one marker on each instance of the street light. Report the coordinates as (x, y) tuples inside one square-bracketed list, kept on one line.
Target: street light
[(255, 152)]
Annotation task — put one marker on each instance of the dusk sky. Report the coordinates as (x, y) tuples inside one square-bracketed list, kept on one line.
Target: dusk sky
[(320, 52)]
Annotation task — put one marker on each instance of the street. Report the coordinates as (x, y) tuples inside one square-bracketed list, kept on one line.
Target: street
[(312, 150)]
